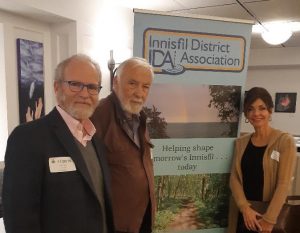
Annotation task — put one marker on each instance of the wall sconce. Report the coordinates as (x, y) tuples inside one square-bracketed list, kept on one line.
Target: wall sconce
[(111, 66)]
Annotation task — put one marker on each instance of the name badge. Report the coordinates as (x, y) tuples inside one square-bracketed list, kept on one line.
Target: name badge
[(61, 164), (275, 155)]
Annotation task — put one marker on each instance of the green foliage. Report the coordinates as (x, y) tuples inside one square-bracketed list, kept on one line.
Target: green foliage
[(168, 210), (214, 211), (208, 192), (226, 99), (157, 125), (171, 204), (214, 214), (163, 218), (199, 204)]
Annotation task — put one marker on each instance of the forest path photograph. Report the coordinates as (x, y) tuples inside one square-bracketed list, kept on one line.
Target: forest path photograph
[(191, 202), (187, 218)]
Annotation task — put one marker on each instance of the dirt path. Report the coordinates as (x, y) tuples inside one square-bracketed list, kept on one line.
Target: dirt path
[(186, 219)]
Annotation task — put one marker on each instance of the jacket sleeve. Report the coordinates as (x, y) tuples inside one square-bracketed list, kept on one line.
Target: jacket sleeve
[(286, 166), (235, 180), (22, 184)]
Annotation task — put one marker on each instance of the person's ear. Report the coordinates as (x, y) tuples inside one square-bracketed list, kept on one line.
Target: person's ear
[(115, 82), (56, 86)]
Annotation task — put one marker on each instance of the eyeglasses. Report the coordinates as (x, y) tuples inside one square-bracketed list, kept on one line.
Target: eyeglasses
[(75, 86)]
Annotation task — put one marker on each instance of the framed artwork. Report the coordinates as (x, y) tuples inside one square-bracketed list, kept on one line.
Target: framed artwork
[(285, 102), (30, 62)]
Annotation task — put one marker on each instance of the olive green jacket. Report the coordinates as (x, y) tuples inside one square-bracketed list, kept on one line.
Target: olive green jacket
[(278, 166)]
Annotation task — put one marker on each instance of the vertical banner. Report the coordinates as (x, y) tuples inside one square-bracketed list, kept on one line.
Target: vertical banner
[(193, 113)]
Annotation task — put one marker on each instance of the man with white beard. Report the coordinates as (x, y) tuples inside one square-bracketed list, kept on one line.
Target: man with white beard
[(121, 125)]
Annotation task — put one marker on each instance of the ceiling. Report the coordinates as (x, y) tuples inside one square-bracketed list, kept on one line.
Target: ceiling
[(261, 11)]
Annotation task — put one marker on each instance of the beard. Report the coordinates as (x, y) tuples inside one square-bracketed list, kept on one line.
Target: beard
[(132, 108), (127, 106), (79, 113)]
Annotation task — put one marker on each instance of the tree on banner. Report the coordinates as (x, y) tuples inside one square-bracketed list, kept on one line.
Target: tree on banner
[(227, 100), (157, 125)]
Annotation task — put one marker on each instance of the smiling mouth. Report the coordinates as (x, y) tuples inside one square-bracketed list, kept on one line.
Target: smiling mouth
[(256, 120)]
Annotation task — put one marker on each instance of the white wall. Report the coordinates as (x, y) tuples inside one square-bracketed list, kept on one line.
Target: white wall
[(63, 44), (277, 70), (3, 102)]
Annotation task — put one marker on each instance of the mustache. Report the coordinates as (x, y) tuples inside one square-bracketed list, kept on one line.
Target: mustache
[(139, 100)]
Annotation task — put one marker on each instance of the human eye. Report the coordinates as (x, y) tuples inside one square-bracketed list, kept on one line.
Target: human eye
[(250, 109), (262, 108), (132, 83), (93, 87), (75, 84), (146, 87)]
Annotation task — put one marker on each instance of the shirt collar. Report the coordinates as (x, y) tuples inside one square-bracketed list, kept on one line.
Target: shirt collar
[(82, 131)]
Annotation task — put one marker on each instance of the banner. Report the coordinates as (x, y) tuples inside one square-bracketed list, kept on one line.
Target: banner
[(193, 113)]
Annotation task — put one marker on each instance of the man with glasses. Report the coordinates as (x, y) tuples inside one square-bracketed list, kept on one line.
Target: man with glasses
[(56, 177), (121, 125)]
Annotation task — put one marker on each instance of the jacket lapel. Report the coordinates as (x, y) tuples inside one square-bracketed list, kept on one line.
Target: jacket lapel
[(68, 141)]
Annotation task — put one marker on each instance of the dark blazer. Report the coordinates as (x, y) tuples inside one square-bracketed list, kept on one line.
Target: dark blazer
[(38, 201)]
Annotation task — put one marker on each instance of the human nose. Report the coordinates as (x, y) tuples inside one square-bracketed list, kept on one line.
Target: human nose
[(139, 91), (256, 112)]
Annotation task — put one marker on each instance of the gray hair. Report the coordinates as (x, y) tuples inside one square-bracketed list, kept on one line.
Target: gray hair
[(59, 71), (134, 62)]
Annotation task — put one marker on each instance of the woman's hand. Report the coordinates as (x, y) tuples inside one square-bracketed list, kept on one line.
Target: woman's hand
[(266, 227), (251, 219)]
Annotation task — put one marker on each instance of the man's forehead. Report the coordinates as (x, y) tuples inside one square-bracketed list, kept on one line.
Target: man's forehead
[(77, 65), (138, 77), (81, 69), (135, 71)]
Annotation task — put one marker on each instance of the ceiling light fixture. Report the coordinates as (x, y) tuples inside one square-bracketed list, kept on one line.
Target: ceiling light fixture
[(273, 33), (281, 28), (276, 33)]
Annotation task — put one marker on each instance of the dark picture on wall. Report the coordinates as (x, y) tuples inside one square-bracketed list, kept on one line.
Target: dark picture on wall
[(285, 102), (30, 61)]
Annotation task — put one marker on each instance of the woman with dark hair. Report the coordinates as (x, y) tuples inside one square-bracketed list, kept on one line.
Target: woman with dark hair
[(262, 167)]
